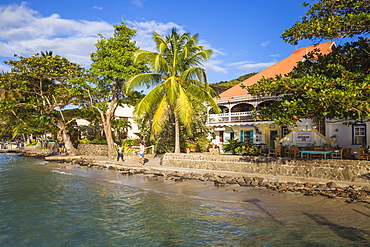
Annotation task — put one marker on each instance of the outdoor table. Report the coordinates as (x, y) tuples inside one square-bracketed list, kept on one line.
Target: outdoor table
[(308, 152)]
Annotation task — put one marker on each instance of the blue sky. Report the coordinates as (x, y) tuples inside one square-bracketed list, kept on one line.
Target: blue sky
[(243, 34)]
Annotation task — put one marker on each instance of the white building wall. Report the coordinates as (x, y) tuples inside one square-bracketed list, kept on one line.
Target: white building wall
[(127, 112), (121, 112), (344, 135)]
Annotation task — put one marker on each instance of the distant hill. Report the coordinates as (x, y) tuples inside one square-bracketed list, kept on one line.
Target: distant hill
[(222, 86)]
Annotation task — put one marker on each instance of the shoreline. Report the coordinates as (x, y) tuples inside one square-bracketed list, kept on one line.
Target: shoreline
[(280, 207), (348, 191)]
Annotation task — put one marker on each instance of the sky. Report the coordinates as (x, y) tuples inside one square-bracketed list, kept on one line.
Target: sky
[(243, 34)]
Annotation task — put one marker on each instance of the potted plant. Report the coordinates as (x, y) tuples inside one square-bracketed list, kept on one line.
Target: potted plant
[(190, 146)]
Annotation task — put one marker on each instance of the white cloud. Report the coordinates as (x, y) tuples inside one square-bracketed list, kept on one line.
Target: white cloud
[(250, 67), (4, 68), (207, 46), (25, 32), (138, 3), (213, 65), (97, 7), (145, 30), (264, 44), (275, 55)]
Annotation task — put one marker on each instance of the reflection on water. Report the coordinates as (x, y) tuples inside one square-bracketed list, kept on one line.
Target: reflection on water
[(45, 204)]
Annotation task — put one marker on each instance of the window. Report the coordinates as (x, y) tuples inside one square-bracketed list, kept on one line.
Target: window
[(221, 136), (359, 134), (232, 135), (284, 131), (248, 135)]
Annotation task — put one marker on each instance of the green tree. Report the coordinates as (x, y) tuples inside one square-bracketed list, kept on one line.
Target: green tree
[(336, 85), (121, 126), (112, 64), (43, 86), (179, 83), (328, 19)]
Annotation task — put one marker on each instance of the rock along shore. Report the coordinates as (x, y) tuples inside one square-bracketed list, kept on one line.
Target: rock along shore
[(350, 192)]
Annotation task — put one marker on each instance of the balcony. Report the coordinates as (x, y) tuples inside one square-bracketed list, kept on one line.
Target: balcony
[(232, 117)]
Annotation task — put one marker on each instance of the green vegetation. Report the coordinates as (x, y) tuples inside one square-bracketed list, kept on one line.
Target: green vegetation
[(180, 84), (35, 92), (112, 64), (328, 19), (336, 85), (128, 143), (225, 85), (232, 145)]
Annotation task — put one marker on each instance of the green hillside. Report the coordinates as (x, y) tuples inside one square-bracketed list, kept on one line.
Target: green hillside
[(222, 86)]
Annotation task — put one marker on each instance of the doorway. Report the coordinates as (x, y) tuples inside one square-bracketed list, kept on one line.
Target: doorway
[(273, 135)]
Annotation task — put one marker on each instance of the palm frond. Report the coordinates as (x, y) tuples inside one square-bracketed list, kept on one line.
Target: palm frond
[(143, 79), (149, 103), (161, 116), (185, 110)]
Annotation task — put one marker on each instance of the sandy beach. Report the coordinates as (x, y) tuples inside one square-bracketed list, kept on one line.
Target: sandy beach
[(336, 214)]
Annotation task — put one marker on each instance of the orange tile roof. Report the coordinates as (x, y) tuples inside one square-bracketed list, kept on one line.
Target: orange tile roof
[(280, 68)]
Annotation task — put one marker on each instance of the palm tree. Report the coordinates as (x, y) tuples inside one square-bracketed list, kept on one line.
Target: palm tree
[(179, 82), (121, 126)]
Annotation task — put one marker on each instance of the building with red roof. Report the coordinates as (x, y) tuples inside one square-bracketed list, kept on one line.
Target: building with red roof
[(238, 107)]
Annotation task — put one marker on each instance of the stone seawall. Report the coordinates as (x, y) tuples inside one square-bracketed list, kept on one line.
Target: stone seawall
[(102, 150), (93, 149), (340, 170)]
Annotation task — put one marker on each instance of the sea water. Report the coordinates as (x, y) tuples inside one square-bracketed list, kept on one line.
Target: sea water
[(46, 204)]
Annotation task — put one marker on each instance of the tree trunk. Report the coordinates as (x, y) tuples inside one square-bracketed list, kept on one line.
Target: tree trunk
[(177, 135), (108, 135), (107, 124), (66, 138), (70, 149)]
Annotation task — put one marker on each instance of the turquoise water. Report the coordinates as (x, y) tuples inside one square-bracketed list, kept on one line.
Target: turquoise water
[(42, 204)]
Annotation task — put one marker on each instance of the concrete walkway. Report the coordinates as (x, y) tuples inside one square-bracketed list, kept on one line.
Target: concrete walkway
[(154, 165)]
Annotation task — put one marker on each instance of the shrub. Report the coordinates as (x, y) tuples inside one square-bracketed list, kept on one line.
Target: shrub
[(248, 149), (128, 143), (99, 140), (232, 145), (84, 141)]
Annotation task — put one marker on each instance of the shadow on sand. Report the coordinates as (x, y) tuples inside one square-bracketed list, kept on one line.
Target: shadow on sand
[(255, 202), (349, 233)]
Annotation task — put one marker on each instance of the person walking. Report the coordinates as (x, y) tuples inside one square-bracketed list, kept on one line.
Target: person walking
[(142, 153), (119, 153), (61, 148)]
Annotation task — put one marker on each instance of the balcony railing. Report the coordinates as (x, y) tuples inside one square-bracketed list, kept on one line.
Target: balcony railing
[(231, 117)]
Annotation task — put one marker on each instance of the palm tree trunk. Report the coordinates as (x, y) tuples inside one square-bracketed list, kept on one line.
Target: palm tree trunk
[(177, 135)]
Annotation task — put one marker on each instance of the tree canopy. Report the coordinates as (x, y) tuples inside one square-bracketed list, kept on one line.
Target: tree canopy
[(328, 19), (112, 65), (179, 83), (38, 88), (336, 85)]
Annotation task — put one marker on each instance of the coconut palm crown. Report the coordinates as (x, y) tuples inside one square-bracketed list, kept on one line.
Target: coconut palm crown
[(178, 80)]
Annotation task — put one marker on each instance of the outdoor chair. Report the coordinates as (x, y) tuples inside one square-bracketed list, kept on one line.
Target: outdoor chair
[(295, 153), (337, 154), (347, 153), (362, 155), (275, 151), (317, 156)]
